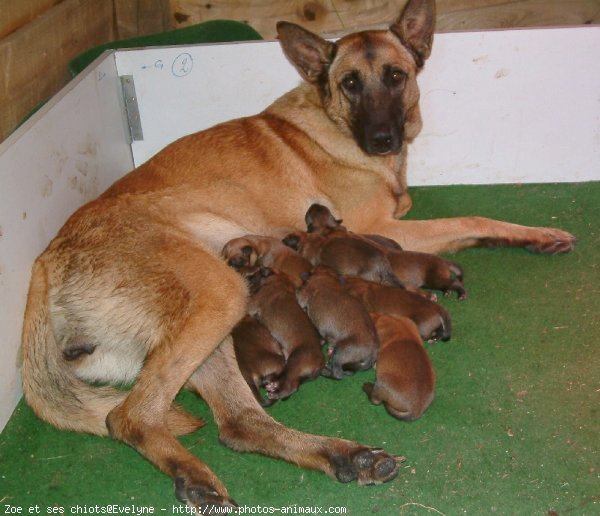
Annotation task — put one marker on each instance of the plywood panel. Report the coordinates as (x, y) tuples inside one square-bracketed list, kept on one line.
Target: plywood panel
[(34, 59), (141, 17), (65, 155), (16, 13), (495, 108), (338, 16)]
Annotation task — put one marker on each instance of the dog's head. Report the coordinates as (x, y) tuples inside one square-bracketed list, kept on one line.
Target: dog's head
[(367, 80)]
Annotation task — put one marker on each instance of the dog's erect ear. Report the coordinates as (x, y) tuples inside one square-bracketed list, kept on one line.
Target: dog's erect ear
[(309, 53), (415, 28)]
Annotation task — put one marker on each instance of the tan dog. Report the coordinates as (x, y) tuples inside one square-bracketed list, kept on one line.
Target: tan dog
[(342, 321), (274, 305), (133, 288), (433, 320), (259, 357), (264, 251), (405, 377)]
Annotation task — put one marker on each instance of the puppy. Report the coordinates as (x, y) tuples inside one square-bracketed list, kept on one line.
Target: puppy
[(264, 251), (259, 357), (405, 377), (413, 269), (274, 305), (342, 321), (432, 319), (347, 254)]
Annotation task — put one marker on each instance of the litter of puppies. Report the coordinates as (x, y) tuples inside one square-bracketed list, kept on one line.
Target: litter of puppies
[(330, 302)]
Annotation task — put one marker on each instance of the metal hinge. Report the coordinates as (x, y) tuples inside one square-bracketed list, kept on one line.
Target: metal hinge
[(131, 108)]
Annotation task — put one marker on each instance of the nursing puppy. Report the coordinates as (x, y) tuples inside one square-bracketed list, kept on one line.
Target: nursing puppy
[(274, 304), (265, 251), (432, 319), (405, 377), (412, 268), (344, 253), (342, 321), (259, 357)]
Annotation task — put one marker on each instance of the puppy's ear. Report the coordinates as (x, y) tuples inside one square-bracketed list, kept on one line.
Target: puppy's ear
[(292, 240), (415, 28), (304, 276), (309, 53)]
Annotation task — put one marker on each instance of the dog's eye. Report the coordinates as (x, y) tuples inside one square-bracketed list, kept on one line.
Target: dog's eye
[(351, 83), (397, 77)]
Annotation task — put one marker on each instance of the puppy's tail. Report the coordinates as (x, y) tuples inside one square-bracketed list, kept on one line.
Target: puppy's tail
[(456, 270), (444, 331), (50, 386)]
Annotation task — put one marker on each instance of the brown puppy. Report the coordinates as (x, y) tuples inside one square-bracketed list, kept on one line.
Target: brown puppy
[(347, 254), (412, 268), (275, 305), (427, 270), (133, 289), (259, 357), (405, 377), (265, 251), (342, 321), (431, 318)]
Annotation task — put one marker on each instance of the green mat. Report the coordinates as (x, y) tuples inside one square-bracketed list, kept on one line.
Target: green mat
[(514, 428)]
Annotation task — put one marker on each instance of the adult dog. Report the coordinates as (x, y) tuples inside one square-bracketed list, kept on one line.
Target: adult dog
[(133, 287)]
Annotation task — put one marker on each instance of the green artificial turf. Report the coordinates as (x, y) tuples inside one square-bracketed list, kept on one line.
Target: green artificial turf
[(514, 427)]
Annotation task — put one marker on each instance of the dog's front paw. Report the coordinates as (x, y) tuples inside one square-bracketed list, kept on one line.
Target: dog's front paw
[(367, 466), (202, 498), (552, 241)]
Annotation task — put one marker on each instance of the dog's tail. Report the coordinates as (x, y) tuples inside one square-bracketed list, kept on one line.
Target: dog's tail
[(50, 386)]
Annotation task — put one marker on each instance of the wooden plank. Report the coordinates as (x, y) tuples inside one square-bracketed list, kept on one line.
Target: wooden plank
[(34, 59), (141, 17), (16, 13), (336, 16)]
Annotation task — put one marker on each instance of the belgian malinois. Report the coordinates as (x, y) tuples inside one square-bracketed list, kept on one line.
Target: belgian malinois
[(133, 287)]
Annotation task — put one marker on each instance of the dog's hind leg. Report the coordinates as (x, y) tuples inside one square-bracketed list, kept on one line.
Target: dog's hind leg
[(245, 426), (217, 301)]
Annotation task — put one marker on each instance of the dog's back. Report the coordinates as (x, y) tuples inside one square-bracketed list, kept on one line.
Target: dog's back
[(405, 377)]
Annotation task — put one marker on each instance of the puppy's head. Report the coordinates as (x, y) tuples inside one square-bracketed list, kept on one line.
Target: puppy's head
[(240, 253), (320, 217)]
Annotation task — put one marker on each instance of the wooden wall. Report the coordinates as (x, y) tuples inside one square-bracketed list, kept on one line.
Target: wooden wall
[(39, 37), (336, 16)]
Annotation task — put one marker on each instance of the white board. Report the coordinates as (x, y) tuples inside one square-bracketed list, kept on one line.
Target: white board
[(65, 155), (499, 106)]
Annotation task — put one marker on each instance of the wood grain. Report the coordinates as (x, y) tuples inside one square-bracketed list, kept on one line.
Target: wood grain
[(34, 58)]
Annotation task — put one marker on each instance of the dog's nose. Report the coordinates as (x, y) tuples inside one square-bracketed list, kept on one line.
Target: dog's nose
[(381, 142)]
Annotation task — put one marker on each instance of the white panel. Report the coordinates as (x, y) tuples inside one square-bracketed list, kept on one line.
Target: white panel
[(181, 90), (65, 155), (499, 106), (509, 107)]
